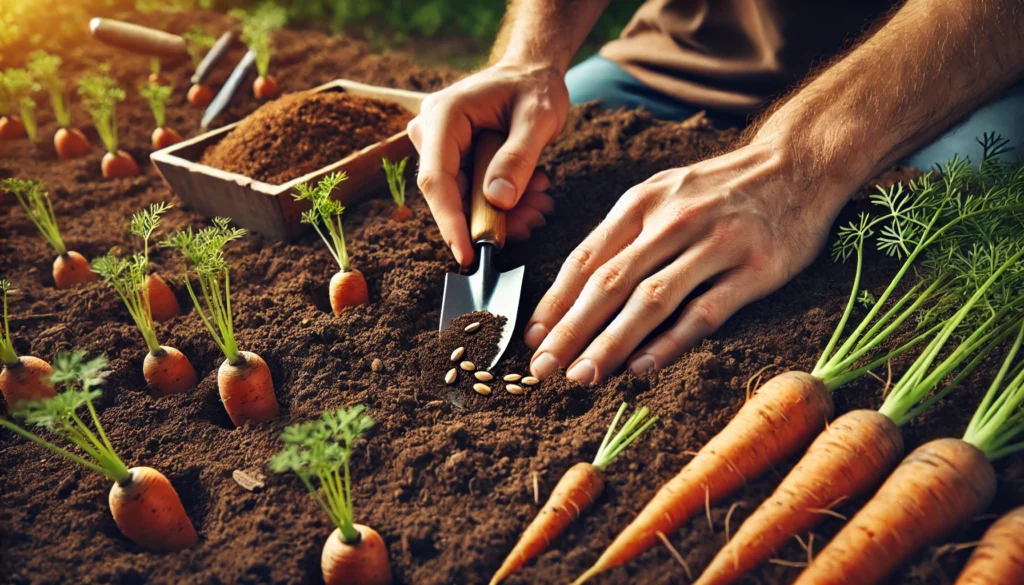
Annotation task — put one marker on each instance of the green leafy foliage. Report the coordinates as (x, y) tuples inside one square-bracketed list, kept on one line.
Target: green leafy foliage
[(7, 353), (616, 442), (258, 26), (326, 211), (19, 84), (321, 450), (100, 96), (157, 97), (395, 173), (46, 70), (198, 43), (36, 203), (997, 427)]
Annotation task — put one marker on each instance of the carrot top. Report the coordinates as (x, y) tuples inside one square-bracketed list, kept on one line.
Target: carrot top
[(197, 43), (395, 173), (36, 203), (59, 416), (257, 28), (322, 450), (328, 212), (204, 250), (100, 96), (157, 97), (616, 442), (46, 69), (19, 85), (998, 424), (7, 353)]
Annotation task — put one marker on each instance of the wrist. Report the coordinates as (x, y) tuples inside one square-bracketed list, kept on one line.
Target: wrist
[(532, 61)]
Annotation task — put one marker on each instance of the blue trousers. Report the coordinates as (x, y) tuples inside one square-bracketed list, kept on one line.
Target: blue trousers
[(601, 79)]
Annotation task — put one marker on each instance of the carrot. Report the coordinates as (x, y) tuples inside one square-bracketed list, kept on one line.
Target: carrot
[(321, 450), (578, 489), (168, 371), (23, 378), (71, 269), (395, 173), (401, 213), (348, 289), (155, 75), (157, 96), (999, 557), (71, 143), (257, 28), (68, 142), (164, 137), (100, 96), (11, 128), (119, 164), (19, 85), (247, 389), (144, 504), (162, 302), (265, 88), (200, 95)]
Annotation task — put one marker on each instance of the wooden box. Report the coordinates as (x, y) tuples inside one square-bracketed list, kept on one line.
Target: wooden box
[(270, 209)]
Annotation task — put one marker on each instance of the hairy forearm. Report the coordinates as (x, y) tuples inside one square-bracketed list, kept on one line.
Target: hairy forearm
[(931, 64), (545, 32)]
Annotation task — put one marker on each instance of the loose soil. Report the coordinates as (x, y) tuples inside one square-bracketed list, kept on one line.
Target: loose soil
[(448, 484), (300, 133)]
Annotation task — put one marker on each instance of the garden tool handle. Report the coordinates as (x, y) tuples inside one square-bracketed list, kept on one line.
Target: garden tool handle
[(486, 222), (138, 39)]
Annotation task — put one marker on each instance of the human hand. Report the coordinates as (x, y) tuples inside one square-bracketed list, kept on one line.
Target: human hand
[(747, 221), (527, 102)]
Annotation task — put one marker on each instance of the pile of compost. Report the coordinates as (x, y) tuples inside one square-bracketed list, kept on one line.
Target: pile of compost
[(446, 478), (302, 132)]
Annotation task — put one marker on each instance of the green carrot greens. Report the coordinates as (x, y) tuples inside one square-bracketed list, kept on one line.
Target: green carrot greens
[(322, 450), (36, 203), (998, 424), (157, 97), (257, 28), (198, 42), (395, 173), (100, 96), (7, 353), (328, 212), (616, 442), (19, 85), (46, 69)]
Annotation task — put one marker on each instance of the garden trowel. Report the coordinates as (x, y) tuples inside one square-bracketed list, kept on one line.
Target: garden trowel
[(485, 289)]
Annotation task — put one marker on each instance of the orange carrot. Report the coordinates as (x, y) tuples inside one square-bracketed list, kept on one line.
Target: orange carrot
[(401, 213), (348, 289), (247, 389), (853, 455), (168, 371), (71, 269), (148, 510), (27, 378), (778, 420), (265, 88), (999, 557), (200, 95), (364, 563), (119, 165), (158, 79), (11, 128), (70, 143), (941, 484), (162, 301), (164, 137)]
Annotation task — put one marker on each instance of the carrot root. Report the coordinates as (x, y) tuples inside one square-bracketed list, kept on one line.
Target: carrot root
[(853, 455), (200, 95), (365, 563), (348, 289), (780, 419), (575, 492), (11, 128), (119, 165), (999, 557), (164, 137), (169, 372), (401, 213), (71, 143), (159, 79), (162, 301), (941, 484), (26, 380), (149, 512), (71, 269), (247, 390), (265, 88)]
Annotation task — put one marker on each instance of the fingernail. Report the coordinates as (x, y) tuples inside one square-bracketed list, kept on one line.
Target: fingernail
[(642, 364), (502, 192), (544, 365), (583, 371), (534, 335)]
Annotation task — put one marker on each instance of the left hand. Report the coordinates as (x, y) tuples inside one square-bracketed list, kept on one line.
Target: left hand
[(748, 221)]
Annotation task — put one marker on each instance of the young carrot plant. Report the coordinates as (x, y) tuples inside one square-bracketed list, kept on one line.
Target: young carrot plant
[(157, 97), (36, 203), (198, 43), (395, 173), (7, 354), (258, 26), (328, 212), (100, 96), (20, 84), (46, 69)]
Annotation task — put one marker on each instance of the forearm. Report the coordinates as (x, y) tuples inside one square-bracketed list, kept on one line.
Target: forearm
[(931, 64), (545, 32)]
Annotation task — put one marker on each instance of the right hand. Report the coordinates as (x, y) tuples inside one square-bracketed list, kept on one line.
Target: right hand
[(530, 104)]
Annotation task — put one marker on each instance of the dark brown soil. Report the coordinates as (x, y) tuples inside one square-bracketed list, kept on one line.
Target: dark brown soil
[(449, 488), (302, 132)]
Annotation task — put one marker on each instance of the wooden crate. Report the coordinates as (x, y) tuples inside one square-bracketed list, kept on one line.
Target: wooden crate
[(270, 209)]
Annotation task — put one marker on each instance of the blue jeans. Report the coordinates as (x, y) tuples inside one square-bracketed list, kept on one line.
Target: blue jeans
[(601, 79)]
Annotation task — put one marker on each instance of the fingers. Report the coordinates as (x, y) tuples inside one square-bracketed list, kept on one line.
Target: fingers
[(511, 170), (651, 303), (702, 317)]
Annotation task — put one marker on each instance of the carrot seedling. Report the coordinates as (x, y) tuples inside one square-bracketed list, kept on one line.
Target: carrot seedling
[(11, 127), (578, 489), (157, 96), (163, 304), (19, 85), (68, 142), (100, 96), (143, 502), (348, 286), (22, 378), (198, 43), (246, 387), (69, 268), (395, 173), (155, 73), (319, 453), (258, 27)]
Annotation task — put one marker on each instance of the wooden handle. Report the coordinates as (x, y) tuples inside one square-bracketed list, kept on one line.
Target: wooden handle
[(486, 222), (138, 39)]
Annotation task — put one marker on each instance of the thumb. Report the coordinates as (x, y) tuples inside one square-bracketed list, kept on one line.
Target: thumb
[(515, 162)]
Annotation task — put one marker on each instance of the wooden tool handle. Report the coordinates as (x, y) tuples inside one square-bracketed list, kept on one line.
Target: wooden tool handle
[(486, 222), (138, 39)]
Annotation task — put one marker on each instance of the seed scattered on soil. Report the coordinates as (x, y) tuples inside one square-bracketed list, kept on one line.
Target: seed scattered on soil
[(449, 378), (472, 327), (376, 365), (458, 353), (483, 376), (468, 366), (512, 377), (482, 389), (249, 480), (531, 381), (514, 389)]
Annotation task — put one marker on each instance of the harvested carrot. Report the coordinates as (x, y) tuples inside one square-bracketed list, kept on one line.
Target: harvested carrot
[(578, 489), (348, 286), (999, 557), (247, 389), (395, 173), (162, 302), (23, 378), (258, 26), (100, 96), (200, 95), (68, 142), (353, 554), (71, 143), (157, 95), (145, 506)]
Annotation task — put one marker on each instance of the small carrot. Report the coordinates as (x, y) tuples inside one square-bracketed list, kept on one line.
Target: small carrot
[(247, 389), (395, 173), (348, 286), (999, 557), (157, 95), (68, 142), (200, 95), (69, 268), (119, 164), (578, 489), (143, 503), (258, 26), (168, 371), (162, 302), (353, 554), (22, 378), (71, 143), (11, 128), (265, 88), (156, 76), (100, 96)]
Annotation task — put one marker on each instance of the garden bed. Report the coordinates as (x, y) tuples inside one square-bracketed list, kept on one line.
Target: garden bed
[(446, 477)]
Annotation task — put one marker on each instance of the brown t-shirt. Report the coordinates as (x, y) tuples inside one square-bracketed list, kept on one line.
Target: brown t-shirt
[(734, 55)]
